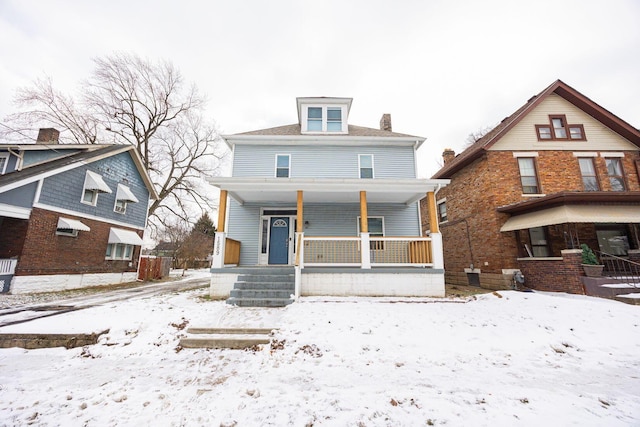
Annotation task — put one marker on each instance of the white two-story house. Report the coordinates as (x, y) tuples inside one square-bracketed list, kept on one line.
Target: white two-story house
[(336, 203)]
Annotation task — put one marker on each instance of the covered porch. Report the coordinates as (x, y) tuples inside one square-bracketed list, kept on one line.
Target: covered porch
[(333, 260)]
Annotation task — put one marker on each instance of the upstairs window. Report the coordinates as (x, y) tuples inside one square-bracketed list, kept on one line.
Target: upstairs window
[(334, 119), (283, 165), (93, 185), (558, 130), (616, 176), (588, 172), (123, 196), (365, 164), (324, 119), (442, 211), (314, 119), (4, 159), (528, 175)]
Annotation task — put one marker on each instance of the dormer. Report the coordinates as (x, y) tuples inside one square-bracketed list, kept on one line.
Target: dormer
[(322, 115)]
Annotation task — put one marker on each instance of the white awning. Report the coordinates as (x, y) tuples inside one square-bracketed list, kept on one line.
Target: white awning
[(124, 193), (118, 235), (71, 224), (93, 181), (566, 214)]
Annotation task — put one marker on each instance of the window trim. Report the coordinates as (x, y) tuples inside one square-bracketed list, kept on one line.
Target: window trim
[(94, 197), (3, 166), (360, 168), (595, 173), (288, 168), (622, 175), (110, 252), (536, 175), (67, 232), (375, 245), (546, 245), (438, 204), (566, 126), (325, 119)]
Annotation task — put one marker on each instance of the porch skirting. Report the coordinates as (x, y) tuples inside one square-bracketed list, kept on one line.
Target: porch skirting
[(344, 281), (62, 282)]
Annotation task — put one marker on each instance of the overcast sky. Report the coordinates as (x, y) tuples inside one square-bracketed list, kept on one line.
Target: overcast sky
[(442, 69)]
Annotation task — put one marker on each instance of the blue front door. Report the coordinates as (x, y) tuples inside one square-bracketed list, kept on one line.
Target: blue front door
[(279, 241)]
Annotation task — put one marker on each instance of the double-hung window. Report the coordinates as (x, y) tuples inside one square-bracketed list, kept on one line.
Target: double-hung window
[(283, 165), (365, 164), (616, 176), (334, 119), (559, 129), (314, 119), (528, 175), (119, 251), (93, 185), (442, 211), (588, 172), (4, 159), (539, 242)]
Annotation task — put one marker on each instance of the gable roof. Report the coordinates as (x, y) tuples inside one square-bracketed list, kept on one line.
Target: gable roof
[(90, 154), (559, 88)]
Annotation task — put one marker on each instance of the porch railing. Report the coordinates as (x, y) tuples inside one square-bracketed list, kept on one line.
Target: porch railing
[(383, 251), (8, 266), (621, 268)]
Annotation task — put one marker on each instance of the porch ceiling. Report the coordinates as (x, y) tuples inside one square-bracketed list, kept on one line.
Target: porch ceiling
[(317, 190)]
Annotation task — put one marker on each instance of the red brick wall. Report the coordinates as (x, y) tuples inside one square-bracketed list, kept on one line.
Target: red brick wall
[(12, 234), (44, 252), (560, 275), (493, 181)]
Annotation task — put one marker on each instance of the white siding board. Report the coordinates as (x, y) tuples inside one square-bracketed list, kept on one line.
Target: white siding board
[(522, 137)]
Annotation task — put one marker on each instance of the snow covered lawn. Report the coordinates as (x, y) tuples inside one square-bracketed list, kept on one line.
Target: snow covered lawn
[(502, 359)]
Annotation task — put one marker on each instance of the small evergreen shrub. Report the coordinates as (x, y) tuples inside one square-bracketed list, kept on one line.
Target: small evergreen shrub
[(588, 257)]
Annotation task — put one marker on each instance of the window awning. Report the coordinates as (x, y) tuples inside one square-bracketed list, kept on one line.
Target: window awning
[(93, 181), (567, 214), (118, 235), (124, 193), (71, 224)]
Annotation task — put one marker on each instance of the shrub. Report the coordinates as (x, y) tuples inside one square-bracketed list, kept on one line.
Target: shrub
[(588, 257)]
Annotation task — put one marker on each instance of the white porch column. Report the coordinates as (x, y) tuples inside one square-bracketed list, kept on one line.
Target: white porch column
[(437, 250), (221, 237)]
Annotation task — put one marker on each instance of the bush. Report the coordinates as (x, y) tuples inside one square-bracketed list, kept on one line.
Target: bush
[(588, 257)]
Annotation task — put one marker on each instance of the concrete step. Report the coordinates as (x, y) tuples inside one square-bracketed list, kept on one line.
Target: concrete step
[(258, 278), (265, 285), (259, 302), (34, 341), (235, 342), (261, 293), (231, 331)]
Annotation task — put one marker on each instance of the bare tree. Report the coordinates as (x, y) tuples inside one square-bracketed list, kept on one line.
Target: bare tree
[(474, 137), (129, 100)]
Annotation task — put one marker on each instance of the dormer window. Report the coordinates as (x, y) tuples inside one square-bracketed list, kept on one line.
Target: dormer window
[(4, 159), (323, 115)]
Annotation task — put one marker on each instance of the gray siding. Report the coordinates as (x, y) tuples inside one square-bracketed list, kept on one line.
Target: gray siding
[(21, 197), (323, 161), (324, 220), (65, 190)]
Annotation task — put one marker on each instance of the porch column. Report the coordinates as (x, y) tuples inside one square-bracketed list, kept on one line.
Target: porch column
[(300, 231), (436, 237), (365, 249), (221, 236)]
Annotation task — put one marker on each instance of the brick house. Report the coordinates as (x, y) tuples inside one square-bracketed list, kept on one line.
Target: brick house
[(558, 172), (70, 215)]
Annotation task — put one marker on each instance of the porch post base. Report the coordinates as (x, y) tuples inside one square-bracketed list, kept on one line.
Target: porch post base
[(437, 250), (365, 251), (218, 249)]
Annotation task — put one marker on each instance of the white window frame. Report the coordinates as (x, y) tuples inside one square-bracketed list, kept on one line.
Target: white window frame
[(68, 232), (288, 165), (3, 165), (373, 169), (120, 206), (325, 107), (446, 218), (94, 197), (112, 249), (368, 218)]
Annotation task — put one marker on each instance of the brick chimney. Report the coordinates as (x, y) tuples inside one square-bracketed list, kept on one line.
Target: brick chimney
[(48, 136), (448, 154), (385, 122)]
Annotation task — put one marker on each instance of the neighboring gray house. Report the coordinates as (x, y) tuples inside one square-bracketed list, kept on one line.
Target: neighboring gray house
[(70, 215), (338, 202)]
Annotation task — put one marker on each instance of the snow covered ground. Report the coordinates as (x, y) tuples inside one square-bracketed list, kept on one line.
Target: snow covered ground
[(503, 359)]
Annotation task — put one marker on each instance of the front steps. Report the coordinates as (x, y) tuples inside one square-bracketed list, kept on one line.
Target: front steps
[(227, 338), (264, 287)]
